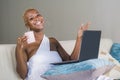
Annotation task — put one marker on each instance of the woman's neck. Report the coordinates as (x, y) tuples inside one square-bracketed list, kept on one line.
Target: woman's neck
[(38, 36)]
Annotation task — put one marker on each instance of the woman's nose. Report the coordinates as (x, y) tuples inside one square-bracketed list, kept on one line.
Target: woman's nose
[(36, 19)]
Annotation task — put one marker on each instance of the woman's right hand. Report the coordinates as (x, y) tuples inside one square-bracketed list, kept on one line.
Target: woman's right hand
[(21, 42)]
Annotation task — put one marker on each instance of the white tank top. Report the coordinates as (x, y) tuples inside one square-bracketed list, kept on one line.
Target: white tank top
[(39, 63)]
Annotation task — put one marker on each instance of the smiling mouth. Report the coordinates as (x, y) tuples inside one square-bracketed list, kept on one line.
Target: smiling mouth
[(38, 23)]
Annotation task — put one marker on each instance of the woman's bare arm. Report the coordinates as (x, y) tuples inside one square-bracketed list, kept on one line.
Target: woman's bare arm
[(77, 47), (55, 45), (21, 58)]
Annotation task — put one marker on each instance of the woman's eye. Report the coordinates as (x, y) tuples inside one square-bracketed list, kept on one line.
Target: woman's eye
[(31, 19), (38, 15)]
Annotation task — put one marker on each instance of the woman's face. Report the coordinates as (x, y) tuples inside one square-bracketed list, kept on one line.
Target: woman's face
[(34, 20)]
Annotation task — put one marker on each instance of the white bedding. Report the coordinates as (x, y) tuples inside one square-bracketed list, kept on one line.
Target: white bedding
[(115, 72)]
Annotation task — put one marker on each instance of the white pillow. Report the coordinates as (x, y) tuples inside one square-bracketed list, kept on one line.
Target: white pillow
[(105, 45)]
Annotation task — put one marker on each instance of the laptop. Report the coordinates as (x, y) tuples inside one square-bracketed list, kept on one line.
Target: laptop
[(89, 47)]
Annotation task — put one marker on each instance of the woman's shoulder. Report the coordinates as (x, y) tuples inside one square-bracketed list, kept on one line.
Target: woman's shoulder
[(53, 40)]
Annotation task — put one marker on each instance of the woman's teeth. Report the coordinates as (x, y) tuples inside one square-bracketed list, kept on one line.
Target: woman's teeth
[(38, 23)]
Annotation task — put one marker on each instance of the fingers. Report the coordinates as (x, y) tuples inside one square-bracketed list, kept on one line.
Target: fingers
[(82, 28), (85, 26), (80, 31), (21, 41)]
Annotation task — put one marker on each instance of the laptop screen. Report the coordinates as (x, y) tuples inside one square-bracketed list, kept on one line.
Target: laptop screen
[(90, 45)]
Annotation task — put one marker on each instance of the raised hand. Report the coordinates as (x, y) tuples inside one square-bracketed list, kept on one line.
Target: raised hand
[(21, 41), (82, 28)]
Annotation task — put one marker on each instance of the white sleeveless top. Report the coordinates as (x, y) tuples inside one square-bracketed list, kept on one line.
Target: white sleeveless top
[(40, 61)]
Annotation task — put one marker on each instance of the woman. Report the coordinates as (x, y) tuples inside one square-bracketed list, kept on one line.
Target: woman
[(34, 59)]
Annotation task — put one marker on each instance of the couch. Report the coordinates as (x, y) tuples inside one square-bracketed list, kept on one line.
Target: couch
[(8, 62)]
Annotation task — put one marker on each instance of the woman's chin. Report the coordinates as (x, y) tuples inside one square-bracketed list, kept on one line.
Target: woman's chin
[(38, 30)]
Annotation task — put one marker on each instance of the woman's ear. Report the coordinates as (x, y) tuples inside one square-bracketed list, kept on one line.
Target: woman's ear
[(27, 26)]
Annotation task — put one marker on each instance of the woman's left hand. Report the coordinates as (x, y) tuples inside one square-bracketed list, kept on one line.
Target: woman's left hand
[(82, 28)]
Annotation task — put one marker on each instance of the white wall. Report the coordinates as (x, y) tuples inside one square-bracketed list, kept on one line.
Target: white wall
[(62, 17)]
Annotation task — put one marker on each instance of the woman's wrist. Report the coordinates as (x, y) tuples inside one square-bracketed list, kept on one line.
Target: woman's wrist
[(19, 47), (79, 37)]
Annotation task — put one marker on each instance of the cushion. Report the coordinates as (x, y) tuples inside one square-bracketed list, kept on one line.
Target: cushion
[(115, 71), (85, 70), (105, 45), (115, 51)]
